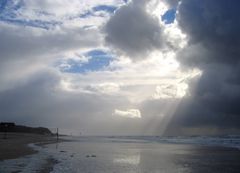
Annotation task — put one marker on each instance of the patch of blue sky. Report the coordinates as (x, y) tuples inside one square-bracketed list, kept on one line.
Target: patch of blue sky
[(169, 16), (86, 14), (104, 8), (9, 13), (33, 23), (97, 60), (3, 4), (9, 8), (6, 3)]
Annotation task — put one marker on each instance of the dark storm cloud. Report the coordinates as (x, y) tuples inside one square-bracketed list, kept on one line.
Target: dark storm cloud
[(214, 41), (214, 101), (212, 25), (132, 31)]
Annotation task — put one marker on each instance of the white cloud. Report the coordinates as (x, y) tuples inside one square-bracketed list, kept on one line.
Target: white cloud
[(130, 113), (60, 9), (174, 36), (177, 90), (104, 88), (136, 81)]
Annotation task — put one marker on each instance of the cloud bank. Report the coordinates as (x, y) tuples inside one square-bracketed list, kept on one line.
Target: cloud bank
[(118, 68), (213, 46)]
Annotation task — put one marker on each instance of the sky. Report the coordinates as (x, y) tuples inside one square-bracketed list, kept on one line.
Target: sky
[(121, 67)]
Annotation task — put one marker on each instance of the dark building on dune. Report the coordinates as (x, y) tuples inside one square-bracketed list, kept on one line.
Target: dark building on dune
[(12, 127), (5, 126)]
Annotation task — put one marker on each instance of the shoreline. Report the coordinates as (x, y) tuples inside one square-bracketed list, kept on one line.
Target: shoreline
[(18, 145)]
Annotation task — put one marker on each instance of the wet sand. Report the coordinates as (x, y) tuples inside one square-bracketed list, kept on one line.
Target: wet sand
[(97, 155), (48, 167), (16, 144), (145, 157), (211, 159)]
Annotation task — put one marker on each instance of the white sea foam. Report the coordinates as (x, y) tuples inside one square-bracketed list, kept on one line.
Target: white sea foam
[(232, 141), (28, 164)]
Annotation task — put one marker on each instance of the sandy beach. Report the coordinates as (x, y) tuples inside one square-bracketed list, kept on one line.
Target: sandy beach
[(17, 146)]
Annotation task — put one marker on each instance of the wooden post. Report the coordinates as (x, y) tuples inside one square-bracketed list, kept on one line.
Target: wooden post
[(57, 134)]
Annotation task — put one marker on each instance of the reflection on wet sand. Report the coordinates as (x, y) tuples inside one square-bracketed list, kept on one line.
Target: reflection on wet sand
[(133, 159), (143, 157)]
